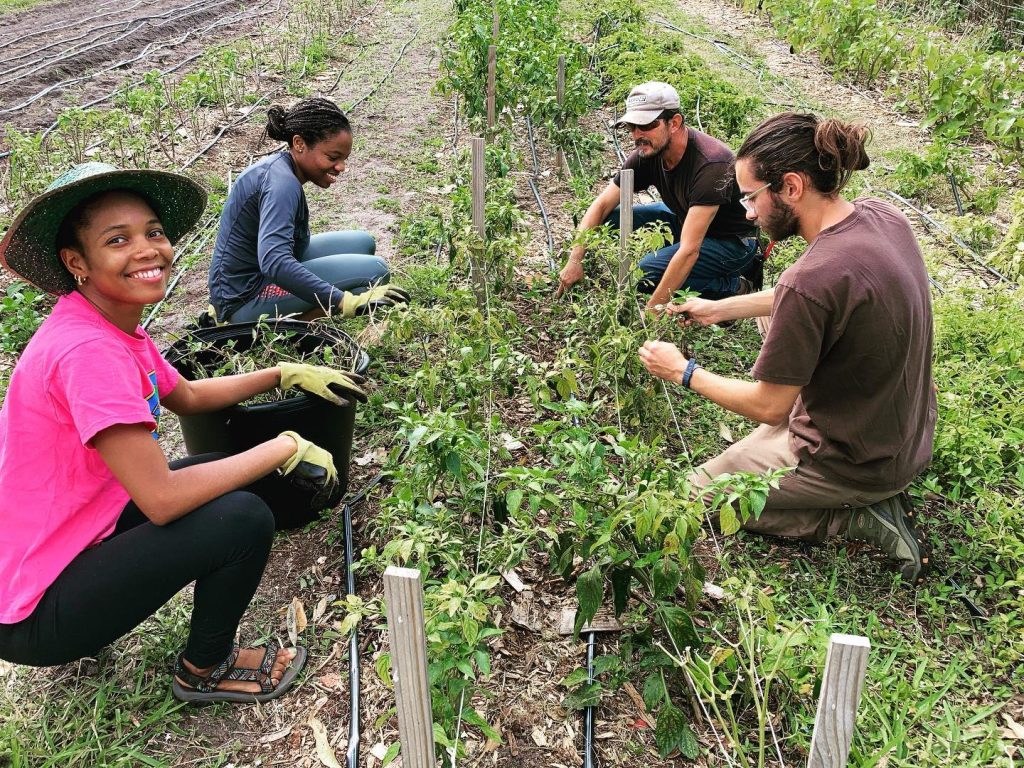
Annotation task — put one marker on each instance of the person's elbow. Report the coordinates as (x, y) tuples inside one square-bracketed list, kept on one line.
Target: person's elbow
[(773, 416)]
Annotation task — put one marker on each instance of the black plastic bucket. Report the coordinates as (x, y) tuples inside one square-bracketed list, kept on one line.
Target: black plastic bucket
[(240, 427)]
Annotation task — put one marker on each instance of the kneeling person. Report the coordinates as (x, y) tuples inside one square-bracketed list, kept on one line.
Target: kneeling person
[(714, 247), (843, 381)]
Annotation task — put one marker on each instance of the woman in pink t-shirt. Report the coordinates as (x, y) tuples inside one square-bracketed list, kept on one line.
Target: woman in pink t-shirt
[(97, 530)]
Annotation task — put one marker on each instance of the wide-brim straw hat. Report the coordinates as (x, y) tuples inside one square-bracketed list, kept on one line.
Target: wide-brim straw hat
[(29, 249)]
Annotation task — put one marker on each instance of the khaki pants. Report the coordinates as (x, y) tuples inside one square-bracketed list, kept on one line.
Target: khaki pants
[(806, 505)]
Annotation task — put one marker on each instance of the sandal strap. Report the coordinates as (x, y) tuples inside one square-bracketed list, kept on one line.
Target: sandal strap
[(260, 675), (205, 683)]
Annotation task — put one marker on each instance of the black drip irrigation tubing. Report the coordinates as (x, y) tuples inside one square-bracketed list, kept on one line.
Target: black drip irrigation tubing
[(146, 51), (128, 28), (930, 221), (390, 72), (589, 714), (54, 27)]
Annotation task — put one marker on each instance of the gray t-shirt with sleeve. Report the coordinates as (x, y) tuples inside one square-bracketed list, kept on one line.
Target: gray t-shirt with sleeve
[(263, 228)]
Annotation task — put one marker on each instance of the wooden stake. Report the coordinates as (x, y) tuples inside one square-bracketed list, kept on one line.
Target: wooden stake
[(492, 63), (479, 222), (625, 221), (403, 591), (560, 98), (495, 25), (846, 664)]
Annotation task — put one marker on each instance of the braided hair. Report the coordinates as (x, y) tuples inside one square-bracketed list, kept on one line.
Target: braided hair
[(314, 119), (826, 151)]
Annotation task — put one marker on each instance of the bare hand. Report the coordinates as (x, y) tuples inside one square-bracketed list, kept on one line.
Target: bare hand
[(700, 311), (663, 360), (571, 274)]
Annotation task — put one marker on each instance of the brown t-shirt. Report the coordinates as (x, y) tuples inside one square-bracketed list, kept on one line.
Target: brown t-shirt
[(703, 176), (852, 325)]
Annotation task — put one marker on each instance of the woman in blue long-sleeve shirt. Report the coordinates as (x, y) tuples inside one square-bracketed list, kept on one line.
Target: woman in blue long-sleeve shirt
[(265, 262)]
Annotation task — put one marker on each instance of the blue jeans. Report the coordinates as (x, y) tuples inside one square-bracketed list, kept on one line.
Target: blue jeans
[(343, 259), (715, 274)]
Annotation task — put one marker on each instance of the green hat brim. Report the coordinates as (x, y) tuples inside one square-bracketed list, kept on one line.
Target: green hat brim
[(29, 248)]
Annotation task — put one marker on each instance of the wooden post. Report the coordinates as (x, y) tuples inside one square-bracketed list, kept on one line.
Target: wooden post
[(403, 591), (625, 221), (846, 664), (476, 255), (492, 63), (560, 98), (495, 25)]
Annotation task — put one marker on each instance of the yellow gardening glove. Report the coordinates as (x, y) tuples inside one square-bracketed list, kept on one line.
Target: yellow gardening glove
[(323, 382), (311, 468), (353, 304)]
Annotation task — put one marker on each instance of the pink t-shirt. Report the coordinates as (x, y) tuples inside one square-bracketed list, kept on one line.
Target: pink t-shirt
[(78, 375)]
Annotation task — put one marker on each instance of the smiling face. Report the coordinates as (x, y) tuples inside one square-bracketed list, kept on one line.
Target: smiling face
[(122, 253), (323, 162)]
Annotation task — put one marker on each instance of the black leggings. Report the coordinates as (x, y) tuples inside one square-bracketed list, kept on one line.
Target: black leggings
[(113, 587)]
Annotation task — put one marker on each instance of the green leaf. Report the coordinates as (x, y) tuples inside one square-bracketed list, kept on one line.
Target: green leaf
[(654, 691), (605, 663), (729, 522), (415, 436), (514, 500), (621, 578), (666, 578), (392, 753), (574, 678), (588, 695), (672, 732), (679, 626), (453, 463), (590, 591), (383, 667)]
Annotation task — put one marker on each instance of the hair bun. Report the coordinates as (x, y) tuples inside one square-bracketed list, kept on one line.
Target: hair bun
[(276, 128)]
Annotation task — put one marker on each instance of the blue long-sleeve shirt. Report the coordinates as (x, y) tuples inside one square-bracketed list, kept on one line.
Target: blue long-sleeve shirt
[(264, 225)]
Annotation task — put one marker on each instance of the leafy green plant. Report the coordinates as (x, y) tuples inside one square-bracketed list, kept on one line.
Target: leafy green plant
[(21, 311)]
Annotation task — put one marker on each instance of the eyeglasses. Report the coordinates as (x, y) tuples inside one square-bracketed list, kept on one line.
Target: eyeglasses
[(630, 127), (747, 200)]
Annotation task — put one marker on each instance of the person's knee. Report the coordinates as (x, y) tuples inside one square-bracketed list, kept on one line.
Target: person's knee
[(243, 517), (612, 219), (379, 271), (363, 242)]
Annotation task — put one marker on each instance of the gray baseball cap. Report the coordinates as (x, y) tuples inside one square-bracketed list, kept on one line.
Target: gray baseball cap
[(647, 101)]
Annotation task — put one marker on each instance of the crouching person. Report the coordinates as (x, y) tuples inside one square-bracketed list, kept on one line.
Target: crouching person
[(97, 530)]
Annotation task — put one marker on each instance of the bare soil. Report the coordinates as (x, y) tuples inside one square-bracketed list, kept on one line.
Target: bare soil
[(53, 57)]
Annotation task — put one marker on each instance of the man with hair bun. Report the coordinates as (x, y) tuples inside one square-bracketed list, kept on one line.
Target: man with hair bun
[(843, 386), (714, 248)]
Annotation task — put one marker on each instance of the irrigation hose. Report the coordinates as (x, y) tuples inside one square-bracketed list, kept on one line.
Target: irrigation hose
[(588, 715), (352, 754)]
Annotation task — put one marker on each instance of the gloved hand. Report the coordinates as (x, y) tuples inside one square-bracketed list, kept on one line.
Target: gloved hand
[(311, 469), (380, 296), (322, 382)]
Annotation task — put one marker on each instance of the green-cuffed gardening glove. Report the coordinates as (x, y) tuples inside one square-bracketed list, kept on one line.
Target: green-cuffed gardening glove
[(323, 382), (353, 304), (311, 468)]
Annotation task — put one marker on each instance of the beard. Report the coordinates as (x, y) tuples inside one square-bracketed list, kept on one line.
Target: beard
[(782, 223), (648, 149)]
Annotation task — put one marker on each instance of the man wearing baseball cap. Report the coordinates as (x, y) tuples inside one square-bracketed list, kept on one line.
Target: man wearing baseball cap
[(714, 247)]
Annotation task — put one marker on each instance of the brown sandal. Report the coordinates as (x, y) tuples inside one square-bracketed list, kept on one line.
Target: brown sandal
[(203, 688)]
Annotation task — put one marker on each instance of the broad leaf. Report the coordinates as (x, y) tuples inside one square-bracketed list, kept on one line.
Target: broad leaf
[(729, 522), (621, 578), (590, 591), (654, 691), (666, 578), (588, 695), (672, 732), (679, 627)]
